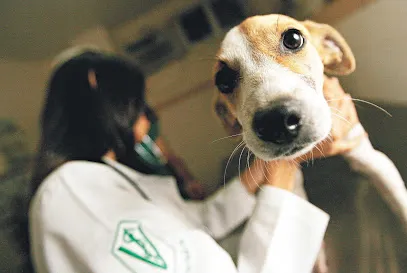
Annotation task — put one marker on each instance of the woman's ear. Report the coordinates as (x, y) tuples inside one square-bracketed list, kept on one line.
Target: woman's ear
[(334, 51), (141, 128), (225, 113)]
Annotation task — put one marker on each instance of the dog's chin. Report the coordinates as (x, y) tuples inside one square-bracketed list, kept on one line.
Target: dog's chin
[(289, 152), (298, 151), (268, 152)]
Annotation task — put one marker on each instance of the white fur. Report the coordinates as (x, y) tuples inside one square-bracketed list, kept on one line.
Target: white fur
[(263, 81)]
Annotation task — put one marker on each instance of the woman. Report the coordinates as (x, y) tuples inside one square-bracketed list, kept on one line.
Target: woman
[(93, 213)]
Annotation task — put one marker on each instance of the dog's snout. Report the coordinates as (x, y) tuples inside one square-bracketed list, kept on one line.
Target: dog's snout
[(279, 124)]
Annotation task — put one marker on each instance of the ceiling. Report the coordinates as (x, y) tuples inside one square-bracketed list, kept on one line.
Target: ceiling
[(32, 30)]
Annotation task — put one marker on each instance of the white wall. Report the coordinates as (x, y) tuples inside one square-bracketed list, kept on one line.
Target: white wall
[(190, 125), (22, 87), (23, 83), (378, 37)]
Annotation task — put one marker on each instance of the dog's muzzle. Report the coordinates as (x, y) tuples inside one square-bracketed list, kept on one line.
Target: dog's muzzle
[(282, 123)]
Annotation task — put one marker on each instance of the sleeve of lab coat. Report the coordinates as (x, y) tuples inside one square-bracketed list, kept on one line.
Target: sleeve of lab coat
[(284, 234), (225, 210), (382, 173), (230, 206)]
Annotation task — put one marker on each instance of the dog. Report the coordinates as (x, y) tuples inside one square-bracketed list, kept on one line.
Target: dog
[(270, 70)]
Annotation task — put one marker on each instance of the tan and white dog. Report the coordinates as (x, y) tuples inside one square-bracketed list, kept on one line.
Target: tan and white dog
[(271, 71)]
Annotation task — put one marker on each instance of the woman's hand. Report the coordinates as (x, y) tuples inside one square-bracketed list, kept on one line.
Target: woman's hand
[(281, 173), (344, 119), (195, 190), (278, 173)]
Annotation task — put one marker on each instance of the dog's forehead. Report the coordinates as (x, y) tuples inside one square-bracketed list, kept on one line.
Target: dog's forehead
[(261, 36), (268, 27)]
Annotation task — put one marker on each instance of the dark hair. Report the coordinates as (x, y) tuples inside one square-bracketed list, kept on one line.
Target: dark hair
[(82, 120), (92, 103)]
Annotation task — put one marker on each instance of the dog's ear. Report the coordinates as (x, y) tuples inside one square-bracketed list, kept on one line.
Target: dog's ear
[(226, 115), (335, 52)]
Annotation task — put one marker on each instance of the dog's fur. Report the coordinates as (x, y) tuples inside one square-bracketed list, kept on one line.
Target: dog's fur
[(267, 72)]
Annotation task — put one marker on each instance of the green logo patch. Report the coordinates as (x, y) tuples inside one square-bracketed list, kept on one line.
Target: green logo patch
[(137, 249)]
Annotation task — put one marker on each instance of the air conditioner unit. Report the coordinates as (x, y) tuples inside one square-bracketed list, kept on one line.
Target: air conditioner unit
[(156, 48), (191, 25)]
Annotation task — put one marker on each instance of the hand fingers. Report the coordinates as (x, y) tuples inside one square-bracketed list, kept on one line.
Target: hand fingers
[(328, 148), (332, 89), (343, 146), (348, 145), (344, 118)]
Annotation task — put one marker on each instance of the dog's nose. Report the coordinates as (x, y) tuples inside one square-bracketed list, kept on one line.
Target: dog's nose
[(280, 125)]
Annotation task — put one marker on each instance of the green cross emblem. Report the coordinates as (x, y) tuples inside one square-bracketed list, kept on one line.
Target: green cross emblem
[(133, 245)]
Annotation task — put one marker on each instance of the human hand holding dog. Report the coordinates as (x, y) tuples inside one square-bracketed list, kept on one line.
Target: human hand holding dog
[(278, 173), (344, 119), (281, 173)]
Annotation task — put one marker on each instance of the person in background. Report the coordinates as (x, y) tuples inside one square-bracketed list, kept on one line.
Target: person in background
[(155, 157), (92, 211)]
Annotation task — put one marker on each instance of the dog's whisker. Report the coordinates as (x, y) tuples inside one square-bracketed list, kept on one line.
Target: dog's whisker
[(230, 158), (266, 167), (329, 137), (240, 159), (323, 142), (316, 146), (302, 158), (249, 153), (336, 109), (294, 163), (342, 118), (367, 102), (248, 163), (374, 105), (222, 138)]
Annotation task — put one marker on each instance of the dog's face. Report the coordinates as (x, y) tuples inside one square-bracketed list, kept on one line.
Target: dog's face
[(270, 76)]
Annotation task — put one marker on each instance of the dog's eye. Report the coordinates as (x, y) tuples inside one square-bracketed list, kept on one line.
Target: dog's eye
[(226, 79), (293, 39)]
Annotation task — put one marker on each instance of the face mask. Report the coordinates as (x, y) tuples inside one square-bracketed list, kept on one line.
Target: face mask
[(149, 151)]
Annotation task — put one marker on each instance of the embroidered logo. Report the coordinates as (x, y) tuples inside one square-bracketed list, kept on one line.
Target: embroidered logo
[(136, 249)]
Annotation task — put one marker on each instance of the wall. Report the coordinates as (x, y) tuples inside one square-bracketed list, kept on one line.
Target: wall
[(22, 87), (378, 38), (188, 123)]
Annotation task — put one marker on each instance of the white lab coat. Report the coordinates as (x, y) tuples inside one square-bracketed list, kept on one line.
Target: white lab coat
[(86, 217)]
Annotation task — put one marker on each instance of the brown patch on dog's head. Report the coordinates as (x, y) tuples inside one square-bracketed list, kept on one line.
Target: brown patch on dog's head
[(264, 34)]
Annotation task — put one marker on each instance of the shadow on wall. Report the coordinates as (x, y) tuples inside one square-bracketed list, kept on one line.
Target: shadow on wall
[(387, 134)]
